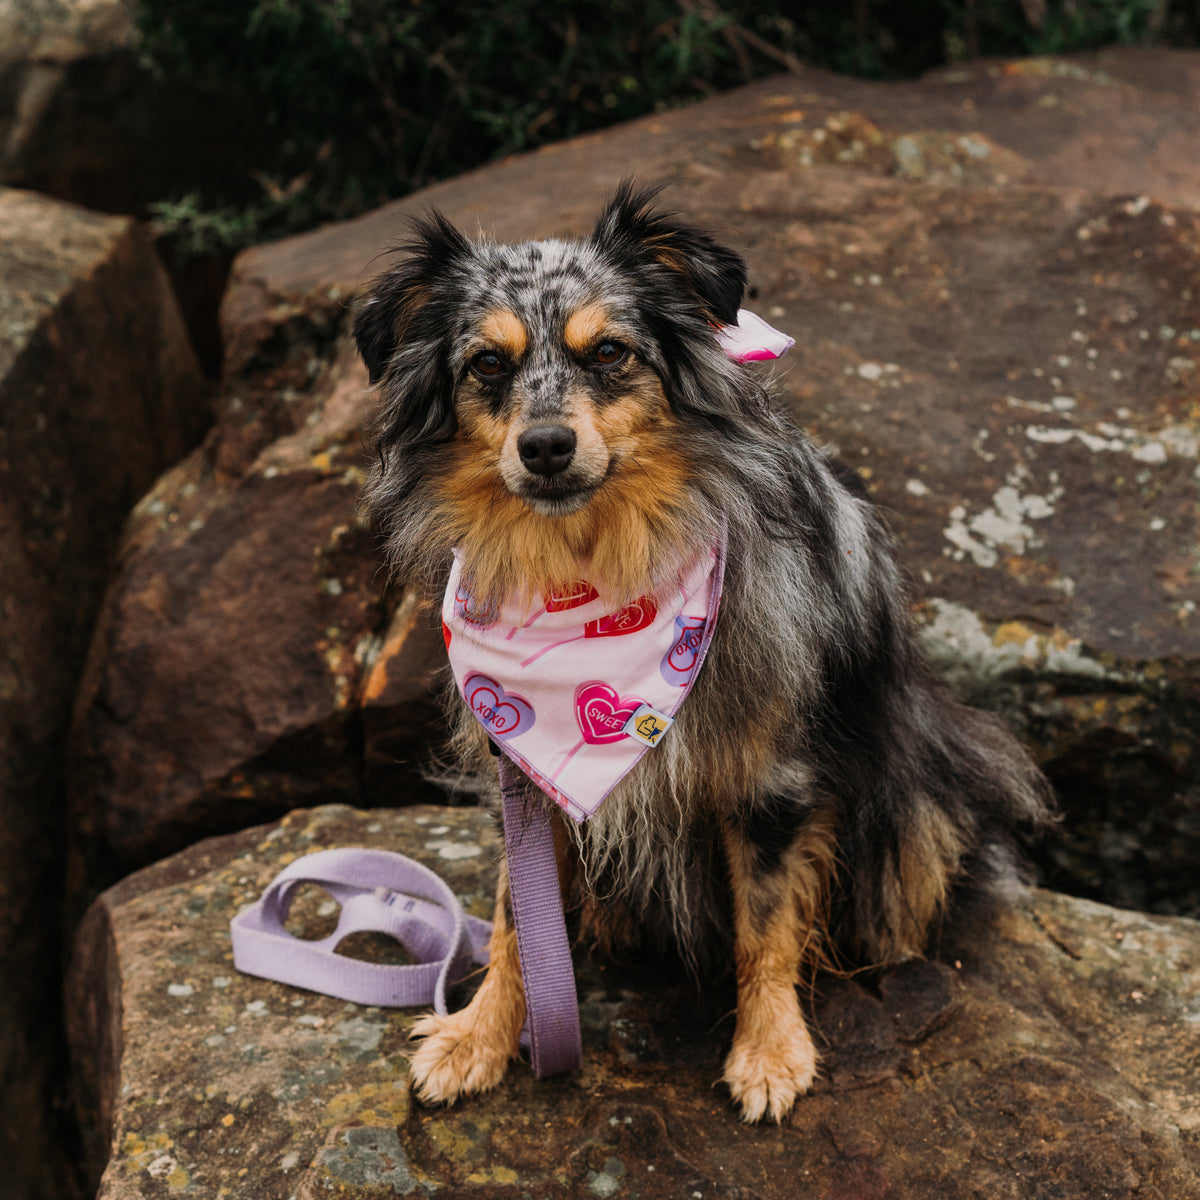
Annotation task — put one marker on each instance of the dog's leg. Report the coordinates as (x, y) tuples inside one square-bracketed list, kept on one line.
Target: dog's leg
[(778, 898), (468, 1051)]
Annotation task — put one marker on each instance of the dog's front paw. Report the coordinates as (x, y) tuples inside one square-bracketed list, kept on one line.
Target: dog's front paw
[(766, 1075), (458, 1056)]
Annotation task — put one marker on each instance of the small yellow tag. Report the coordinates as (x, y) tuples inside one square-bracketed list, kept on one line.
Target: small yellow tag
[(648, 725)]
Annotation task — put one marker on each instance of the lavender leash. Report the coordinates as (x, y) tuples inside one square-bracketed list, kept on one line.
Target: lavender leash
[(553, 1008), (382, 891)]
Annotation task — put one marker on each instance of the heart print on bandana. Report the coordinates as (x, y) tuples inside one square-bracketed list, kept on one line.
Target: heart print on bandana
[(602, 712), (679, 663), (503, 714), (468, 609), (630, 619)]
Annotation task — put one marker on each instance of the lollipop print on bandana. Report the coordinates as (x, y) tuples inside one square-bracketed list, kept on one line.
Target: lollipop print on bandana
[(630, 619), (602, 712), (570, 595), (633, 617), (503, 714), (679, 663), (560, 599)]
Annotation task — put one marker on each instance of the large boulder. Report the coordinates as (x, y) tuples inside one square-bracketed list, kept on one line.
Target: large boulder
[(83, 118), (1050, 1053), (42, 42), (1006, 350), (228, 679), (99, 391)]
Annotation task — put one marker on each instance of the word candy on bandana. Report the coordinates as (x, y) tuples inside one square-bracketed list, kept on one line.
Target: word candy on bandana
[(574, 692)]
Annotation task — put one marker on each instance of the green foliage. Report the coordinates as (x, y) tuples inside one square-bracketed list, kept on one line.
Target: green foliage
[(368, 99), (196, 231), (1062, 26)]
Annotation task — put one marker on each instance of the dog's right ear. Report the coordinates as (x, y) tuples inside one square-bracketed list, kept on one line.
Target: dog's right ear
[(401, 333), (397, 296)]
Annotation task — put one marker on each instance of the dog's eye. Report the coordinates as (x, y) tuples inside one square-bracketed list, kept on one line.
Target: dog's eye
[(489, 365), (608, 354)]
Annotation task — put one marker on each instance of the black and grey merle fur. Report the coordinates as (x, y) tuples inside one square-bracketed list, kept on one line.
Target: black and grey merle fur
[(814, 715)]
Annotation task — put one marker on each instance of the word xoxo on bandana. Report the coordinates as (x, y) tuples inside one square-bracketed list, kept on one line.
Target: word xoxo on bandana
[(574, 691)]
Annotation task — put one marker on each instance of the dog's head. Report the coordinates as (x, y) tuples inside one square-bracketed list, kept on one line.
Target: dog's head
[(553, 378)]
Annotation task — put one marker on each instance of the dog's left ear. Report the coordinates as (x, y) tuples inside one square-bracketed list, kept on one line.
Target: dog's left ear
[(379, 322), (631, 231)]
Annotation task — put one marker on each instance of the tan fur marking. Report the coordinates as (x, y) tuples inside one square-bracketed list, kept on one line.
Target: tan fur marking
[(609, 926), (468, 1051), (411, 301), (777, 930), (641, 409), (584, 327), (477, 425), (503, 330), (930, 859), (740, 761), (670, 257)]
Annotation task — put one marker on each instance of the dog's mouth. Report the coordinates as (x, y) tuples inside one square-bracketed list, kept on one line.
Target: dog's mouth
[(557, 497)]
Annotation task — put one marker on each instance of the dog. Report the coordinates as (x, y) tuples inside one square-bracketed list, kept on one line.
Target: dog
[(561, 410)]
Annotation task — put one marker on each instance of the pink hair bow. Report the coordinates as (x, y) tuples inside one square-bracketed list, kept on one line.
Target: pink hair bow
[(752, 339)]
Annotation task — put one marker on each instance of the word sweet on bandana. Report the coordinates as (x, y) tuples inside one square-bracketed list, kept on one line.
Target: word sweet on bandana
[(572, 690)]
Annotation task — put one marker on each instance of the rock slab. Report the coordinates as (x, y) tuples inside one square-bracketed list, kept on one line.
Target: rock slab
[(230, 676), (84, 119), (99, 391), (1052, 1052)]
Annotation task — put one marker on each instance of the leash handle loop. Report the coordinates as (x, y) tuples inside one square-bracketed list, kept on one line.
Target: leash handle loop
[(377, 890)]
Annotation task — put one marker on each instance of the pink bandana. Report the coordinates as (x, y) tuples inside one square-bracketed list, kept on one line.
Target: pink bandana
[(576, 693)]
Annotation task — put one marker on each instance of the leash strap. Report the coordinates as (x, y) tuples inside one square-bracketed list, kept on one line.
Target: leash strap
[(553, 1009), (377, 890)]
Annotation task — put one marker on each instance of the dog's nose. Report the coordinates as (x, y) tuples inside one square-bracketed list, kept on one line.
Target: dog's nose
[(546, 449)]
